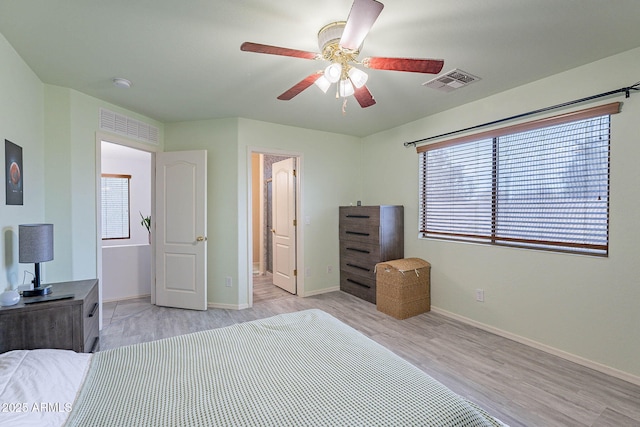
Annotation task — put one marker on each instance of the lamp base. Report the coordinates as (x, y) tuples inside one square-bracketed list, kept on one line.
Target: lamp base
[(37, 291)]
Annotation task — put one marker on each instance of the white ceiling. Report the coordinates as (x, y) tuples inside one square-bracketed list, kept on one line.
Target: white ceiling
[(185, 63)]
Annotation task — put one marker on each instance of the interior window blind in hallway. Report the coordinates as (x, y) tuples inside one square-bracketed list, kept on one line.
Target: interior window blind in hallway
[(115, 206)]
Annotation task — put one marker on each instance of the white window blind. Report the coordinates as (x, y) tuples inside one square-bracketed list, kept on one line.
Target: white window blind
[(115, 206), (543, 187)]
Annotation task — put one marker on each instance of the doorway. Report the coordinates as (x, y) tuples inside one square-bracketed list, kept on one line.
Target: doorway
[(139, 156), (126, 251), (275, 193)]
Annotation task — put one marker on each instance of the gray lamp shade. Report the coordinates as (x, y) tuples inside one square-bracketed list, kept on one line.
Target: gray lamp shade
[(35, 242)]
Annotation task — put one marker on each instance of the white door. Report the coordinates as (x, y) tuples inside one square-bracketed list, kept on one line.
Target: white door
[(180, 233), (283, 202)]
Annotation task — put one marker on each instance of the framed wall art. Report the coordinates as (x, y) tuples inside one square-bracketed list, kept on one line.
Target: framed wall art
[(14, 172)]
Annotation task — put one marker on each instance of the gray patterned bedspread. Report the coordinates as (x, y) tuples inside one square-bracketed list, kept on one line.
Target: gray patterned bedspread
[(299, 369)]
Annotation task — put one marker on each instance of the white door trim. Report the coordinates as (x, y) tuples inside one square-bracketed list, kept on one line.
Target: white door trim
[(248, 267)]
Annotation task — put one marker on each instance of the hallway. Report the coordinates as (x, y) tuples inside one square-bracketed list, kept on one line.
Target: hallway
[(265, 290)]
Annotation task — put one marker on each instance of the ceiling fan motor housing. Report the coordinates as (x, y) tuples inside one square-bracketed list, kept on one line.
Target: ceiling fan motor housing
[(329, 42)]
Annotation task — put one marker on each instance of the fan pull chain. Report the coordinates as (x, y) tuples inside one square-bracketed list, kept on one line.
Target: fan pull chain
[(344, 107)]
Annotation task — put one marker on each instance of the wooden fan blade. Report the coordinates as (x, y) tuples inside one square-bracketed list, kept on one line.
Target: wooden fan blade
[(275, 50), (361, 18), (300, 86), (428, 66), (364, 97)]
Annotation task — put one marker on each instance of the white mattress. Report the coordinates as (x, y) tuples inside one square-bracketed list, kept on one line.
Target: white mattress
[(38, 387)]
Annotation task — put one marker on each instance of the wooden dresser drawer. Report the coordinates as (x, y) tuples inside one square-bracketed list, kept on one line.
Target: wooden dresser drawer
[(358, 268), (360, 252), (92, 342), (360, 233), (91, 316), (359, 286), (39, 326), (365, 215)]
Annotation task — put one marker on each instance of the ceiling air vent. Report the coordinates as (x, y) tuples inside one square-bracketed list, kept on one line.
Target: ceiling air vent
[(451, 81), (132, 128)]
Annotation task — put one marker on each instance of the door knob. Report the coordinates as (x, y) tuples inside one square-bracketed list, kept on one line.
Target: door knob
[(273, 230), (201, 238)]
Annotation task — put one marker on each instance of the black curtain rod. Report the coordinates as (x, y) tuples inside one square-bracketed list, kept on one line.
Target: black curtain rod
[(626, 90)]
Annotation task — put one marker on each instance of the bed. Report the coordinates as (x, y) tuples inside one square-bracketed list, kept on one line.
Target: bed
[(296, 369)]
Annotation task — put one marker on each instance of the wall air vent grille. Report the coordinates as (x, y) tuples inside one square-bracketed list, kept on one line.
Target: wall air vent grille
[(132, 128), (451, 81)]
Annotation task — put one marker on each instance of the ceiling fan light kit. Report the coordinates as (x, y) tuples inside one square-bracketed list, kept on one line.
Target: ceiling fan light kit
[(333, 72), (340, 44), (323, 83), (358, 77), (346, 88)]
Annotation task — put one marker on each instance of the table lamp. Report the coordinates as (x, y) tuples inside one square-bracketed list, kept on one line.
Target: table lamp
[(35, 245)]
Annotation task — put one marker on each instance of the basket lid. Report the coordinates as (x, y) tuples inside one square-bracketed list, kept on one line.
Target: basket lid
[(405, 264)]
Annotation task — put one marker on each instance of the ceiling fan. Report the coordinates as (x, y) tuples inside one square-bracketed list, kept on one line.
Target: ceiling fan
[(340, 44)]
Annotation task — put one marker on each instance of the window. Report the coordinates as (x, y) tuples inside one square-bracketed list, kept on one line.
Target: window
[(115, 206), (540, 185)]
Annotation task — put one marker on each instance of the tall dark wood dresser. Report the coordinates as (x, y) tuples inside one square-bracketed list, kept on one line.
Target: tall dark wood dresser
[(368, 235)]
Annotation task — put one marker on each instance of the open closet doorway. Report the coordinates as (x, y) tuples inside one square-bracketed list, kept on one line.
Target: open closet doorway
[(274, 224)]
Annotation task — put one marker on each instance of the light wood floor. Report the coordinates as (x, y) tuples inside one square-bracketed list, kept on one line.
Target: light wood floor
[(517, 384)]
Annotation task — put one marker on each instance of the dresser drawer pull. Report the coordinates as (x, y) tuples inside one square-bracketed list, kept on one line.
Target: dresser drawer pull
[(93, 310), (358, 283), (94, 346), (358, 216), (362, 251), (357, 266), (357, 233)]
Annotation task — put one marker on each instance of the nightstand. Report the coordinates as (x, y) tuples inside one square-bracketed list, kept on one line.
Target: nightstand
[(69, 324)]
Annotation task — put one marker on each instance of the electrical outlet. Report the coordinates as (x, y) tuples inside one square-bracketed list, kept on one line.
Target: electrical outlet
[(228, 282), (480, 295), (307, 272), (329, 269)]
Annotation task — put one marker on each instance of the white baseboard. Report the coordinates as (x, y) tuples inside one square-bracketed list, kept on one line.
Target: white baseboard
[(320, 291), (125, 298), (243, 306), (633, 379), (227, 306)]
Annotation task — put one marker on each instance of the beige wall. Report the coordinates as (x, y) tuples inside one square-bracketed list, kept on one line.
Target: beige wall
[(584, 306)]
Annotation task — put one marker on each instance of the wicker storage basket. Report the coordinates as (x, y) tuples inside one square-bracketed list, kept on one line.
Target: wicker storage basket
[(403, 287)]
